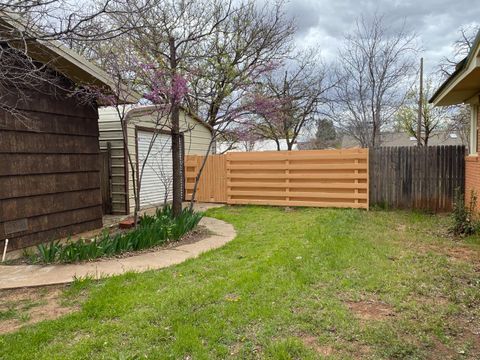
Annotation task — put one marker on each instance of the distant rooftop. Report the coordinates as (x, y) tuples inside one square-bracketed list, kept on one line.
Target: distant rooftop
[(404, 139)]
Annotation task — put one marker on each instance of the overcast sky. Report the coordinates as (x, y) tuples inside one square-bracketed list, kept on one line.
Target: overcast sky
[(436, 22)]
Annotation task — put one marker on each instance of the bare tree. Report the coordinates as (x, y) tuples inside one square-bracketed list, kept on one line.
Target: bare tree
[(130, 77), (168, 36), (219, 48), (252, 40), (459, 118), (63, 20), (433, 118), (289, 98), (461, 48), (375, 67), (25, 23)]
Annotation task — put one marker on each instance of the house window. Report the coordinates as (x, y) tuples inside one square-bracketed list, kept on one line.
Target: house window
[(474, 130)]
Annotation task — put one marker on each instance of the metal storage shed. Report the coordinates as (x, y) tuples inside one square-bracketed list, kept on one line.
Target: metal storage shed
[(156, 180)]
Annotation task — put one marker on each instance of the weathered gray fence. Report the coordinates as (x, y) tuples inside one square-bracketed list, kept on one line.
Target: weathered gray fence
[(416, 177)]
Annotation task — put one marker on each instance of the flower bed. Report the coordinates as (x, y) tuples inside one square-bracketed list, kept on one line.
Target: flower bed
[(152, 230)]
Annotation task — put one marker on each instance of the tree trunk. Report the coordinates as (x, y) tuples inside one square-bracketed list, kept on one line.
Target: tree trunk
[(176, 143), (176, 162), (135, 183), (278, 144)]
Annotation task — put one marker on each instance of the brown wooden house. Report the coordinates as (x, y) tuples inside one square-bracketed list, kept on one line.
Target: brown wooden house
[(49, 150)]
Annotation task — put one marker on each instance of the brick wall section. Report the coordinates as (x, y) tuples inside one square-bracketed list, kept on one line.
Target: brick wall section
[(472, 176), (472, 172)]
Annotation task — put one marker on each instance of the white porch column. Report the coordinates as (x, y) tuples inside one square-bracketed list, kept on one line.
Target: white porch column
[(473, 129)]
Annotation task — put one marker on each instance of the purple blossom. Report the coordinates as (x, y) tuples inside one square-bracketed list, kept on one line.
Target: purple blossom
[(272, 109), (164, 88)]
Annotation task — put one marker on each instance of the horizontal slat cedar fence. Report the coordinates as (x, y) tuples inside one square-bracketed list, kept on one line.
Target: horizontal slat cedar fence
[(212, 186), (319, 178), (422, 178)]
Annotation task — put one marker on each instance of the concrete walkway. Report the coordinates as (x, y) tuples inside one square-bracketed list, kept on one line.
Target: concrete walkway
[(38, 275)]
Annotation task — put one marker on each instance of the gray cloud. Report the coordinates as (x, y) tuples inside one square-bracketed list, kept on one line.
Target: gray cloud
[(324, 23)]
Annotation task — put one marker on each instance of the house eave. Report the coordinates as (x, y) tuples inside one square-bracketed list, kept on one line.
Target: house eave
[(464, 83), (462, 89)]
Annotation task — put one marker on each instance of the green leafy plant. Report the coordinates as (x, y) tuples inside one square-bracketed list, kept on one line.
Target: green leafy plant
[(49, 252), (184, 223), (152, 230), (463, 215)]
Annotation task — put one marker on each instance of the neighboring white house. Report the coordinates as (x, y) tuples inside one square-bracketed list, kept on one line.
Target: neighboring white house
[(143, 126), (258, 145)]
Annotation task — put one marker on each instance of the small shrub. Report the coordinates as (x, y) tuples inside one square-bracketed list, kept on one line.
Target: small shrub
[(152, 230), (464, 222)]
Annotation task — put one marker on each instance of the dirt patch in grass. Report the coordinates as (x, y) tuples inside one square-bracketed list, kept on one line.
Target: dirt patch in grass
[(311, 342), (454, 250), (465, 346), (463, 254), (370, 310), (28, 306), (235, 348), (441, 351), (468, 338), (354, 349)]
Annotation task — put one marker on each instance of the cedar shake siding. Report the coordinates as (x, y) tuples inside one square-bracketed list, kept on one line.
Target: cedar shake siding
[(49, 169)]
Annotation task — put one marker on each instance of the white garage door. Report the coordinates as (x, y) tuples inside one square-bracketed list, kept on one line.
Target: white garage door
[(157, 180)]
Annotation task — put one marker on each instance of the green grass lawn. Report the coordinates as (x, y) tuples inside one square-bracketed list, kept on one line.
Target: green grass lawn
[(300, 284)]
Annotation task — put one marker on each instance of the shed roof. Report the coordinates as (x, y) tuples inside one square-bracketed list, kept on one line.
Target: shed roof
[(135, 110), (139, 110)]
